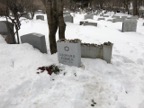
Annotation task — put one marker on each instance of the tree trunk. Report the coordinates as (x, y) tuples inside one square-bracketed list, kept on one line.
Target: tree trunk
[(52, 22), (135, 7), (61, 23), (54, 9)]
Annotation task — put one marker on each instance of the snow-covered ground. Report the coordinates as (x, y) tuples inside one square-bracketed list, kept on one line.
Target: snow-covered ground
[(116, 85)]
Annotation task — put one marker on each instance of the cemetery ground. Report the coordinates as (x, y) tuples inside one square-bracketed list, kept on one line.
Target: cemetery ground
[(97, 84)]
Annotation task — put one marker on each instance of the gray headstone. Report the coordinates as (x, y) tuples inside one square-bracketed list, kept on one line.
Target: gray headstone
[(41, 17), (26, 15), (111, 20), (36, 40), (124, 17), (68, 18), (66, 13), (129, 25), (116, 17), (88, 16), (91, 51), (105, 15), (82, 22), (143, 24), (133, 17), (7, 31), (118, 20), (107, 52), (100, 19), (90, 24), (69, 53)]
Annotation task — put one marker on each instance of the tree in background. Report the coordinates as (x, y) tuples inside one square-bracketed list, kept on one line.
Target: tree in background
[(16, 9), (54, 11)]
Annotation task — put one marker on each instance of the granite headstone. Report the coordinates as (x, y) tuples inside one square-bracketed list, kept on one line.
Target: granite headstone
[(7, 31), (129, 25), (68, 18), (69, 53), (90, 24), (36, 40), (88, 16), (41, 17)]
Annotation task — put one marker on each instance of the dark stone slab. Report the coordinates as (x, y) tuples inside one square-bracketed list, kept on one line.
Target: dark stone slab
[(90, 24), (88, 16), (68, 18), (36, 40), (41, 17), (7, 31)]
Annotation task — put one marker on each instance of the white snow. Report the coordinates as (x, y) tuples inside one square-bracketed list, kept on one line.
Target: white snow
[(116, 85)]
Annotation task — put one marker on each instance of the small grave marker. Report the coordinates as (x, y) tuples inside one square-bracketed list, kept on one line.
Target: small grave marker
[(90, 23), (88, 16), (68, 18), (100, 19)]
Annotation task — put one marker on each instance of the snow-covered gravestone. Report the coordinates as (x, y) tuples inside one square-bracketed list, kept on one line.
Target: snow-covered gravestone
[(129, 25), (68, 18), (36, 40), (69, 52), (90, 24), (88, 16), (107, 51), (41, 17), (100, 19), (7, 31)]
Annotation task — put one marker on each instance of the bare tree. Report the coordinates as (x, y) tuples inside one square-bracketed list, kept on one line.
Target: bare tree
[(17, 10)]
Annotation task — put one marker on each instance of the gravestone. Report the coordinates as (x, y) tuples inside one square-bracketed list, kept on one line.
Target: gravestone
[(111, 20), (82, 22), (91, 50), (88, 16), (116, 17), (124, 17), (100, 19), (69, 53), (105, 15), (133, 17), (90, 24), (36, 40), (107, 51), (143, 24), (118, 20), (7, 31), (129, 25), (66, 13), (26, 15), (68, 18), (41, 17)]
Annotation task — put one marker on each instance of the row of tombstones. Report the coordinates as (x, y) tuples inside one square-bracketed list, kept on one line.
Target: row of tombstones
[(129, 25), (7, 28), (70, 52)]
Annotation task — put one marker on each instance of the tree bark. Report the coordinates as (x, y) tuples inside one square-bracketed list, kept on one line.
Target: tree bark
[(135, 7), (54, 10), (61, 23), (52, 22)]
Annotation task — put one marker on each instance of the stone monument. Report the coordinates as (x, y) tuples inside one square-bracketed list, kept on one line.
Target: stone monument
[(36, 40), (69, 52)]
